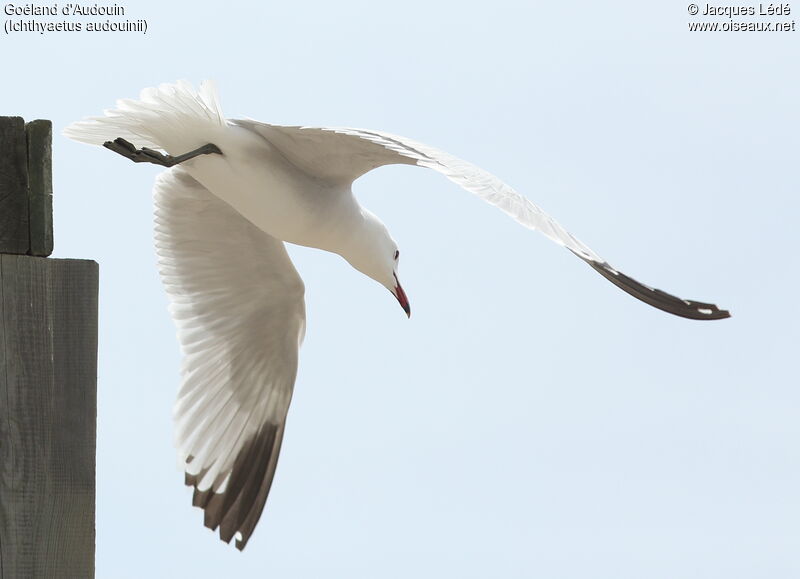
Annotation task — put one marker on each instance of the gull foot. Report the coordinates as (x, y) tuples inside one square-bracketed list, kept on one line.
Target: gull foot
[(145, 155)]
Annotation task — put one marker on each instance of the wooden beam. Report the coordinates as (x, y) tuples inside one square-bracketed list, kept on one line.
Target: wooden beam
[(40, 186), (14, 230), (48, 373), (48, 368), (26, 187)]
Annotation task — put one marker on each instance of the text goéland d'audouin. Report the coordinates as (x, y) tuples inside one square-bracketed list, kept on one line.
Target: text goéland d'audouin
[(74, 10), (69, 9)]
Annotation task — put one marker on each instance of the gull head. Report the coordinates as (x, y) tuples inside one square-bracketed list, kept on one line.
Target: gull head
[(373, 252)]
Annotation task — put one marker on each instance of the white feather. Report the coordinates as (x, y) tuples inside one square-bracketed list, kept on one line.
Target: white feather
[(238, 303)]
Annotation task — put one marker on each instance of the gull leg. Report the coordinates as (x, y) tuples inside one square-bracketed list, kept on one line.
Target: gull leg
[(145, 155)]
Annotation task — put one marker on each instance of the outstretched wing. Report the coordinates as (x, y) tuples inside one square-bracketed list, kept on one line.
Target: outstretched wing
[(237, 301), (343, 154)]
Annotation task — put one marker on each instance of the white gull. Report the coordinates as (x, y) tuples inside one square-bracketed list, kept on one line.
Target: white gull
[(235, 192)]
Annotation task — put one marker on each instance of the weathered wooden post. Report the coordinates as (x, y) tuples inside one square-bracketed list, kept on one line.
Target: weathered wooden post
[(48, 373)]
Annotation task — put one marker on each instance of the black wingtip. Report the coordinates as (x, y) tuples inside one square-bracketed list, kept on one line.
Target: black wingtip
[(236, 510), (658, 299)]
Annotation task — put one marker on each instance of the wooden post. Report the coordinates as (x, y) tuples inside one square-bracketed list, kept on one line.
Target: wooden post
[(48, 374)]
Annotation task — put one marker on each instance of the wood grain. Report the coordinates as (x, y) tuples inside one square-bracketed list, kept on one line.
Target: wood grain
[(14, 231), (48, 347), (40, 186)]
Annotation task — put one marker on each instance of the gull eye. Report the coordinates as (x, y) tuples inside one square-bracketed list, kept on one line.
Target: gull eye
[(396, 254)]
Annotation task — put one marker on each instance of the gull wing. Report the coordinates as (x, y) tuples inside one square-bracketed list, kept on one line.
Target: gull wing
[(344, 154), (237, 301)]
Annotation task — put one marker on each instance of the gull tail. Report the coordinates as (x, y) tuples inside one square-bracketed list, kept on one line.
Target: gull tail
[(172, 117)]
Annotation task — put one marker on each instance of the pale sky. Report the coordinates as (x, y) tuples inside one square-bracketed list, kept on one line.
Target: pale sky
[(530, 420)]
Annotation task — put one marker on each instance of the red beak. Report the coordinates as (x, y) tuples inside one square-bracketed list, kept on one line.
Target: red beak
[(402, 298)]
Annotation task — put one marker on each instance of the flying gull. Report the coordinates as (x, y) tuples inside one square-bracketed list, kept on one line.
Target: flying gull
[(234, 193)]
